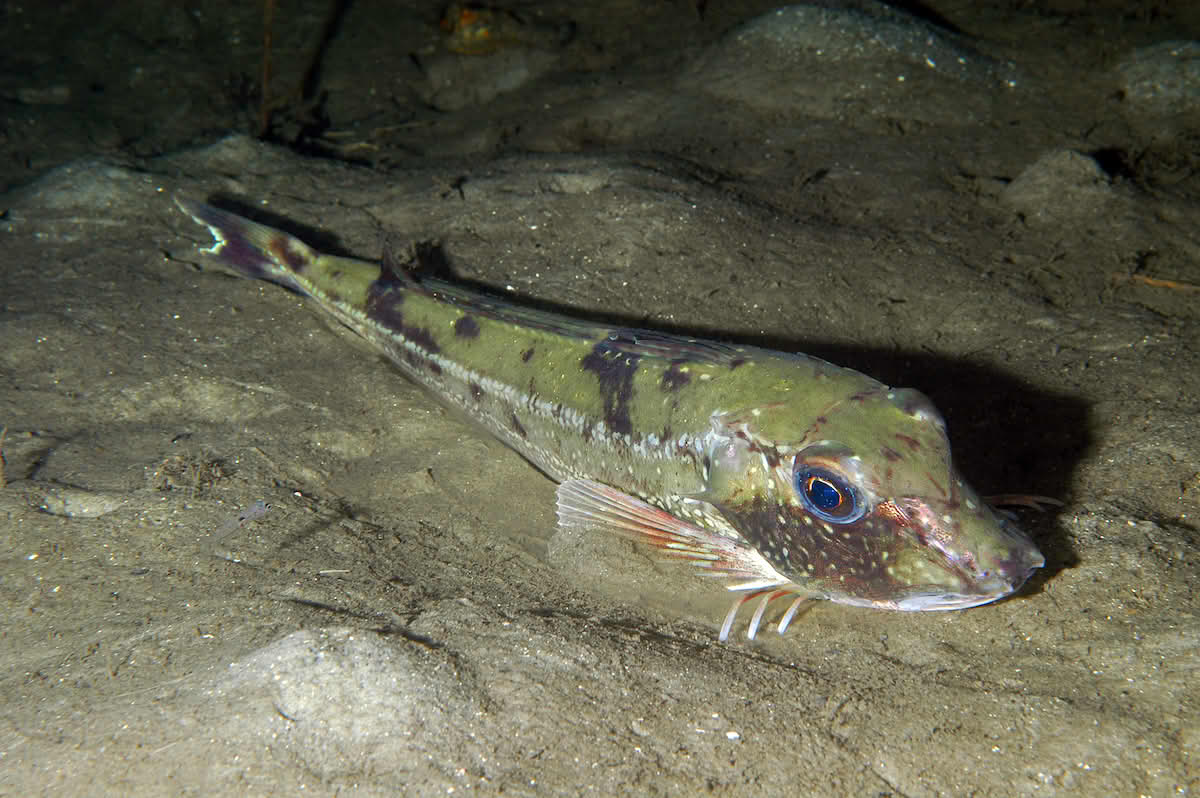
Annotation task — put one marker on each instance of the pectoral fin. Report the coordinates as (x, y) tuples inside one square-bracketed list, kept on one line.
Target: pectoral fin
[(585, 503)]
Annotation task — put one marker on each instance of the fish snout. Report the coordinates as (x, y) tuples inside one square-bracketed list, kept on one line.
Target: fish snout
[(994, 557), (1009, 559), (981, 555)]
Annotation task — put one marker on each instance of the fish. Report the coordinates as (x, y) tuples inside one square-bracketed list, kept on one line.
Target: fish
[(781, 474)]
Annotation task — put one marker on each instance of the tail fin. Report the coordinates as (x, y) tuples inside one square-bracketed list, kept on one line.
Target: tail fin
[(251, 249)]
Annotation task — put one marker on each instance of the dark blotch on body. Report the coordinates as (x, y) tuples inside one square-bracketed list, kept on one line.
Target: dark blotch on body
[(466, 327), (281, 248), (615, 371), (526, 355), (385, 298), (675, 377), (424, 339)]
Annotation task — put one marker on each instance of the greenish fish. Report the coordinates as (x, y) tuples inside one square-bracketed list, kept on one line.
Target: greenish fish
[(783, 474)]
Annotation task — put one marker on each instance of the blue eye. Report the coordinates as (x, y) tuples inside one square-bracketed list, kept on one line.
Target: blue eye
[(828, 496), (824, 494)]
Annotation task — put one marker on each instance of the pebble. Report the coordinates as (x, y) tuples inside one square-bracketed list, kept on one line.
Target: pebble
[(70, 502)]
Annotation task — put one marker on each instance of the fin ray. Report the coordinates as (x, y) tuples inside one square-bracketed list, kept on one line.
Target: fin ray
[(583, 502)]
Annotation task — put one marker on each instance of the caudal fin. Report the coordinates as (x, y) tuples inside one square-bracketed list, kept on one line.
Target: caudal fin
[(251, 249)]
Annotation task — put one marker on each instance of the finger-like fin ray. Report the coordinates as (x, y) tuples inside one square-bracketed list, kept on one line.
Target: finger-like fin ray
[(585, 503)]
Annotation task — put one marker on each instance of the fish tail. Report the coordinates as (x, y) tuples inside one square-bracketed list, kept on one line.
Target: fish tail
[(342, 286), (250, 249)]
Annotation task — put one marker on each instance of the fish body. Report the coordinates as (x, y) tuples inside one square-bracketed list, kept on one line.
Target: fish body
[(781, 473)]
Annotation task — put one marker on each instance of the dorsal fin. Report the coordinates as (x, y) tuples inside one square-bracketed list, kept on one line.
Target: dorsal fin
[(627, 340)]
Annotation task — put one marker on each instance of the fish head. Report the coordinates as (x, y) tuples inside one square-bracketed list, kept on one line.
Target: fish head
[(863, 505)]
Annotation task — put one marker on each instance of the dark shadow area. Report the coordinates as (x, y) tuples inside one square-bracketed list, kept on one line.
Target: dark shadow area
[(922, 11)]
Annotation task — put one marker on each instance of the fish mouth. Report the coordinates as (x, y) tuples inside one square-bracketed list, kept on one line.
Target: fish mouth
[(934, 602), (1008, 578)]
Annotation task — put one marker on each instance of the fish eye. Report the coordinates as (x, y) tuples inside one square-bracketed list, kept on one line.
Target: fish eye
[(828, 496)]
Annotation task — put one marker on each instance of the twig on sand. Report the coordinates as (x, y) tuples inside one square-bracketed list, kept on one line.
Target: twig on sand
[(1157, 282)]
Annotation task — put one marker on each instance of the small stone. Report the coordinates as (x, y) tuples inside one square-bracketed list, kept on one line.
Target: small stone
[(69, 502)]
